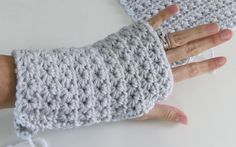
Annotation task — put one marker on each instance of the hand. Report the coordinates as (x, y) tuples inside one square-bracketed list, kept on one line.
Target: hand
[(187, 43)]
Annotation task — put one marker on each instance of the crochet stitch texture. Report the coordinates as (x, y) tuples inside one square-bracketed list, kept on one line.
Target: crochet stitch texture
[(119, 77), (192, 13)]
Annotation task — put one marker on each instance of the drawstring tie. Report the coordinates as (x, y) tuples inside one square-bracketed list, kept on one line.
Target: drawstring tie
[(36, 142)]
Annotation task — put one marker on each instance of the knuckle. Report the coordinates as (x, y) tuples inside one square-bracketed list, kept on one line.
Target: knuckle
[(199, 30), (157, 20), (191, 49), (162, 16), (170, 115), (164, 13), (215, 40), (175, 39), (193, 70), (186, 49), (212, 65)]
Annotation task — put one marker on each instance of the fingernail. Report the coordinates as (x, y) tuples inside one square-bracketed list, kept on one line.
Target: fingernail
[(225, 35), (221, 61), (173, 8), (182, 119), (213, 28)]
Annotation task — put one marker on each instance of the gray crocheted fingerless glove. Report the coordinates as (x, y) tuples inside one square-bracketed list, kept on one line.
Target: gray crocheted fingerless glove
[(119, 77)]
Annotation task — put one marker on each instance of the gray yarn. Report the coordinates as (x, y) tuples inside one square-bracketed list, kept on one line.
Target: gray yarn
[(119, 77), (192, 13)]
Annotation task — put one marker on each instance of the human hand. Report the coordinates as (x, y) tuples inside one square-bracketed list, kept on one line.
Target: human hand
[(187, 43)]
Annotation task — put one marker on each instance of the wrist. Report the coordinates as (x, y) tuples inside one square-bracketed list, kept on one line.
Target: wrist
[(7, 81)]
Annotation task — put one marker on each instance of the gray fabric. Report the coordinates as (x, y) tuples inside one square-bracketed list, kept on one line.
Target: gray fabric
[(119, 77), (192, 13)]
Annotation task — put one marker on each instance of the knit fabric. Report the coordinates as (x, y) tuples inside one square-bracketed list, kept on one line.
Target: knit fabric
[(192, 13), (120, 77)]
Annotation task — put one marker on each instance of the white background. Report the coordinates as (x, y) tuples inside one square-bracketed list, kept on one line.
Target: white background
[(209, 100)]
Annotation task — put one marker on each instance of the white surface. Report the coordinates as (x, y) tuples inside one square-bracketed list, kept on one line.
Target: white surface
[(208, 100)]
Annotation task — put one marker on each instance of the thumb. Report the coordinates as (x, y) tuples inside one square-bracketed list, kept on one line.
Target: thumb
[(167, 113)]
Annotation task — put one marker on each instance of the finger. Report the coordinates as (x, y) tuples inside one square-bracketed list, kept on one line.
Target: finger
[(196, 47), (167, 113), (194, 69), (184, 36), (163, 15)]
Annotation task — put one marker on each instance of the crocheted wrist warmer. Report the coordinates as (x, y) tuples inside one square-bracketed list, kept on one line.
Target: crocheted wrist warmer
[(119, 77)]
